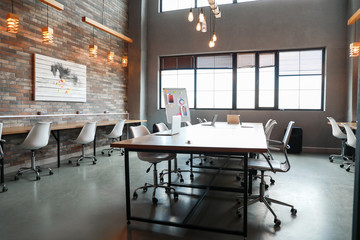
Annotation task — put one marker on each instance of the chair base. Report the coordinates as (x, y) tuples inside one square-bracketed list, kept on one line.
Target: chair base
[(111, 150), (33, 168), (155, 185), (83, 157), (36, 170), (261, 197)]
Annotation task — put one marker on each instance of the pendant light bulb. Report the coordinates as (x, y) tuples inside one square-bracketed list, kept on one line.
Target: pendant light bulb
[(191, 16), (201, 16), (110, 56), (214, 37), (211, 44), (47, 35), (93, 51), (12, 21), (198, 26), (203, 26)]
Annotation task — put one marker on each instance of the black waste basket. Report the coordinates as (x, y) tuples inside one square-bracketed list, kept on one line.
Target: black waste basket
[(295, 141)]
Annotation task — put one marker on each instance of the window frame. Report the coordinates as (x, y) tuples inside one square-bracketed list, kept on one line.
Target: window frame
[(195, 6), (234, 79)]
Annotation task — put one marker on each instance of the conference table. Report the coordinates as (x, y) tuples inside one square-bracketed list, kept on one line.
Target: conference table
[(221, 139)]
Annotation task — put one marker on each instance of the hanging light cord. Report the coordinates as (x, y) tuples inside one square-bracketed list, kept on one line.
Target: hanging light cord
[(47, 15), (103, 12), (93, 36), (12, 6)]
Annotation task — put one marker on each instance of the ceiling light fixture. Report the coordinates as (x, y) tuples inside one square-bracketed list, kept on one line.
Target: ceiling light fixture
[(47, 32), (93, 48), (191, 15), (12, 20), (124, 61), (354, 46)]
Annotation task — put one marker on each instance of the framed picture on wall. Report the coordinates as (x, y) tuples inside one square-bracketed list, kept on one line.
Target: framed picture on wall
[(59, 80)]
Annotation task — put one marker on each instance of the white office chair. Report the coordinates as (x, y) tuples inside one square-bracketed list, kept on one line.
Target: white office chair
[(199, 120), (115, 135), (4, 188), (86, 136), (336, 132), (351, 142), (37, 138), (275, 166), (188, 123), (267, 123), (153, 158)]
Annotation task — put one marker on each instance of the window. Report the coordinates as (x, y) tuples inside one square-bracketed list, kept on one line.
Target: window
[(171, 5), (214, 81), (300, 79), (273, 80)]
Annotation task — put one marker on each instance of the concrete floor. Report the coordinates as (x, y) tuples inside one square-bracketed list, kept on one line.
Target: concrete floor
[(88, 202)]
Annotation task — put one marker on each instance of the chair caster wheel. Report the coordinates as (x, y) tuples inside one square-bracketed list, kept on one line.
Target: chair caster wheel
[(161, 180), (77, 164), (238, 213), (176, 196), (145, 189), (200, 164), (135, 196), (37, 178), (348, 169), (51, 173), (16, 178), (39, 170), (266, 186), (70, 162), (181, 180), (331, 159), (187, 162), (341, 165), (5, 189), (94, 162), (272, 181), (102, 153), (277, 222), (154, 200), (293, 211)]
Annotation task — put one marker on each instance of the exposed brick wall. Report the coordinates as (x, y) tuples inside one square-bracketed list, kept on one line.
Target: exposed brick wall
[(106, 83)]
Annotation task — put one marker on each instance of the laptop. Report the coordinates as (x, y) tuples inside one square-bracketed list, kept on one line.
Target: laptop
[(175, 127), (212, 123)]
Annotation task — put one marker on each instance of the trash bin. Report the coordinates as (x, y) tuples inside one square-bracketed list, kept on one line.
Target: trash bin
[(295, 141)]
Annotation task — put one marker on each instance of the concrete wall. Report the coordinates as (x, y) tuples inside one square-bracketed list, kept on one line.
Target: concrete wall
[(261, 25)]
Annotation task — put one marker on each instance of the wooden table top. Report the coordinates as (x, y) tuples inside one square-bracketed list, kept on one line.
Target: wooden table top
[(222, 138), (353, 125), (63, 126)]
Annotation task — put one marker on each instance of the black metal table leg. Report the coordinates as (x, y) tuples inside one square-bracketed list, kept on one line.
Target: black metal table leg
[(127, 186), (95, 146), (57, 138), (246, 175), (2, 181)]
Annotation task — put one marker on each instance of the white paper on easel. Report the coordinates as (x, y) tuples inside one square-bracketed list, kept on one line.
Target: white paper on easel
[(176, 104)]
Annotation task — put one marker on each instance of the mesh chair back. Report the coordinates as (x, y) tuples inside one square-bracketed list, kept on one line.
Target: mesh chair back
[(336, 131), (87, 133), (351, 138), (117, 131), (38, 136), (161, 127)]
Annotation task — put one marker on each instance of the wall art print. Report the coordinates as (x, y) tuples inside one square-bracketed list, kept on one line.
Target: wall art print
[(58, 80)]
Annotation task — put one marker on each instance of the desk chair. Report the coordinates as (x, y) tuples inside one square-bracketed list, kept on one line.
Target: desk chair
[(153, 158), (86, 136), (275, 166), (351, 142), (199, 120), (4, 188), (37, 138), (188, 123), (115, 135), (336, 132)]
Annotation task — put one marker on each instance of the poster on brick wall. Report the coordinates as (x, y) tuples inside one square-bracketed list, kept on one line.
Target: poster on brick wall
[(59, 80), (176, 104)]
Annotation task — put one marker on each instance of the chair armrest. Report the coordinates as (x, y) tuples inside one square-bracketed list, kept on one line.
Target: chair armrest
[(275, 141), (268, 161)]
